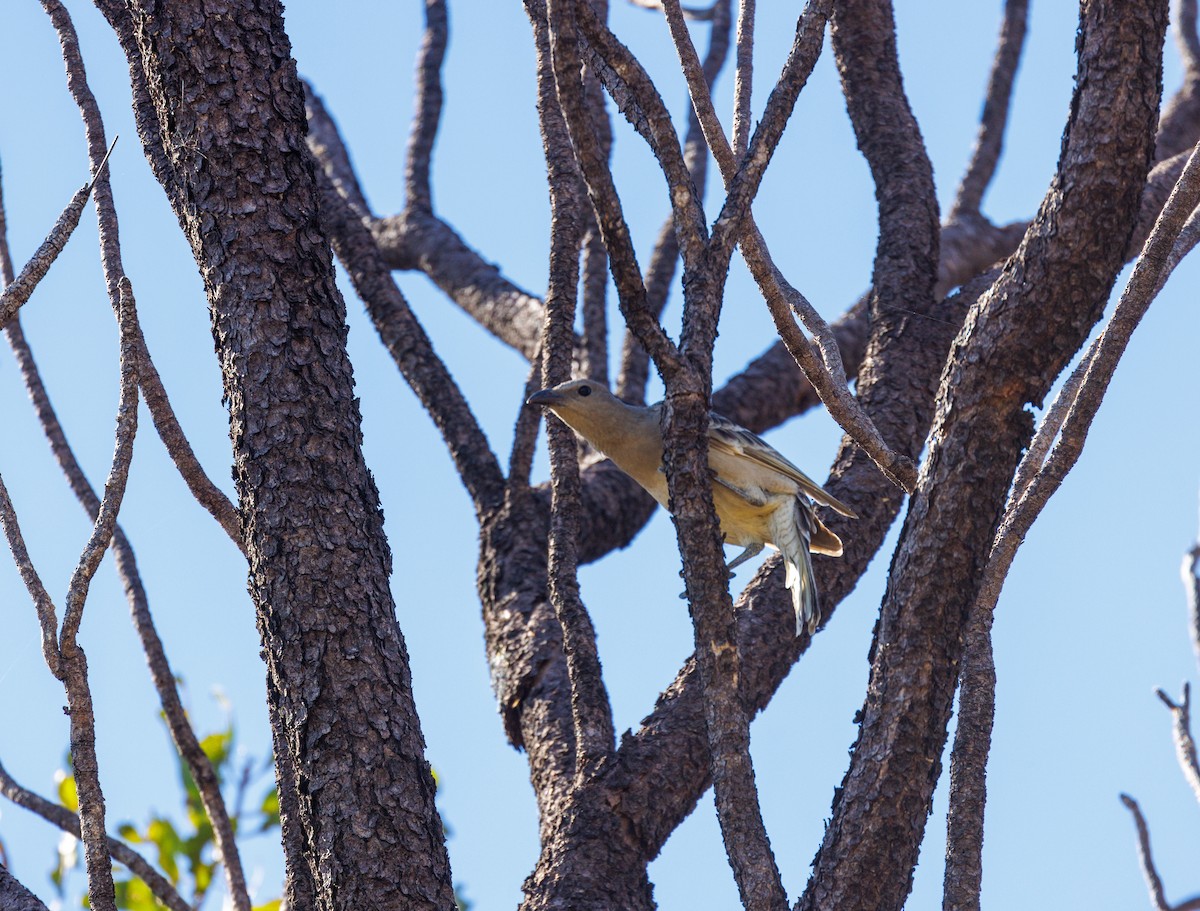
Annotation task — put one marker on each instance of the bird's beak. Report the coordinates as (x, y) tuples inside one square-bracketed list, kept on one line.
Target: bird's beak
[(545, 398)]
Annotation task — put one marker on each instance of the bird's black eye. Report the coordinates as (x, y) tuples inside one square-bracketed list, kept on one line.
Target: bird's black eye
[(585, 390)]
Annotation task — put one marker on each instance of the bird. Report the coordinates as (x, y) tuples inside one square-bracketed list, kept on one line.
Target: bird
[(760, 497)]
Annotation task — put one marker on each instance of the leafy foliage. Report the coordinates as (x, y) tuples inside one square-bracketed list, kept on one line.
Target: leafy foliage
[(183, 849)]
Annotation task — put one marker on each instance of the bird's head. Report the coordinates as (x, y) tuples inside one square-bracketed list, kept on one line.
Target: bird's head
[(574, 396), (588, 407)]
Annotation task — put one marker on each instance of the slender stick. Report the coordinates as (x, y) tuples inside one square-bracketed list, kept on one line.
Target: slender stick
[(827, 378), (429, 106), (743, 78), (73, 660), (990, 141), (1153, 880), (17, 291), (591, 709)]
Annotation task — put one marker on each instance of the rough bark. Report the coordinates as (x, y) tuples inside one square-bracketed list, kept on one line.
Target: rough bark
[(1015, 341), (226, 125)]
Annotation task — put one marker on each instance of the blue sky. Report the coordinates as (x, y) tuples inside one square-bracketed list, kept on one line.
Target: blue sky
[(1091, 621)]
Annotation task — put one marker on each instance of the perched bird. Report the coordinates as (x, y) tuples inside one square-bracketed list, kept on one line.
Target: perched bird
[(761, 498)]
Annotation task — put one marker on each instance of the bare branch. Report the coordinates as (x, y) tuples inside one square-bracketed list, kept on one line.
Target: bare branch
[(660, 273), (743, 78), (47, 617), (73, 660), (161, 673), (695, 13), (595, 306), (17, 292), (13, 894), (411, 348), (1185, 34), (525, 434), (114, 487), (829, 378), (963, 878), (1190, 571), (429, 106), (994, 119), (1177, 128), (561, 16), (67, 821), (1153, 881), (979, 410), (1097, 368), (165, 422), (1189, 236), (1185, 744), (420, 240), (591, 710)]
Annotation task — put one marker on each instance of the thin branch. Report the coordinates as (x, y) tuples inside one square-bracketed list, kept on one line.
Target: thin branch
[(1189, 236), (743, 78), (1190, 571), (17, 292), (429, 106), (591, 709), (1149, 273), (165, 422), (829, 377), (594, 266), (694, 13), (992, 123), (161, 673), (411, 348), (594, 286), (1177, 126), (73, 660), (561, 18), (162, 413), (1185, 744), (660, 273), (114, 487), (525, 433), (1153, 881), (14, 896), (963, 876), (420, 240), (1186, 35), (67, 821), (47, 615), (1053, 452), (645, 110)]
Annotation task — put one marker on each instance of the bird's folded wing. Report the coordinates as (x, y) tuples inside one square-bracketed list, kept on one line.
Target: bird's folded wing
[(726, 436)]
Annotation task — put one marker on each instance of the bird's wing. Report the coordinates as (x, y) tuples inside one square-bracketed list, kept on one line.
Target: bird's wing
[(724, 435)]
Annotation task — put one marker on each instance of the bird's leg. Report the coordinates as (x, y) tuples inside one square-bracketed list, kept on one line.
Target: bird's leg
[(748, 554), (751, 498)]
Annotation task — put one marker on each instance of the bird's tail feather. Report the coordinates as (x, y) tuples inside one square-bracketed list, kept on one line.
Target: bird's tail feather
[(793, 542)]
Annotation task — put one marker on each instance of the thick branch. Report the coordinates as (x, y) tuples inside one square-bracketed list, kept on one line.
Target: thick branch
[(1058, 281), (310, 509)]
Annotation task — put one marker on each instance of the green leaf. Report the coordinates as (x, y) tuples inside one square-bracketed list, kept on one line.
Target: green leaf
[(217, 747), (270, 810), (272, 905), (135, 895), (129, 832), (162, 833), (68, 793)]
